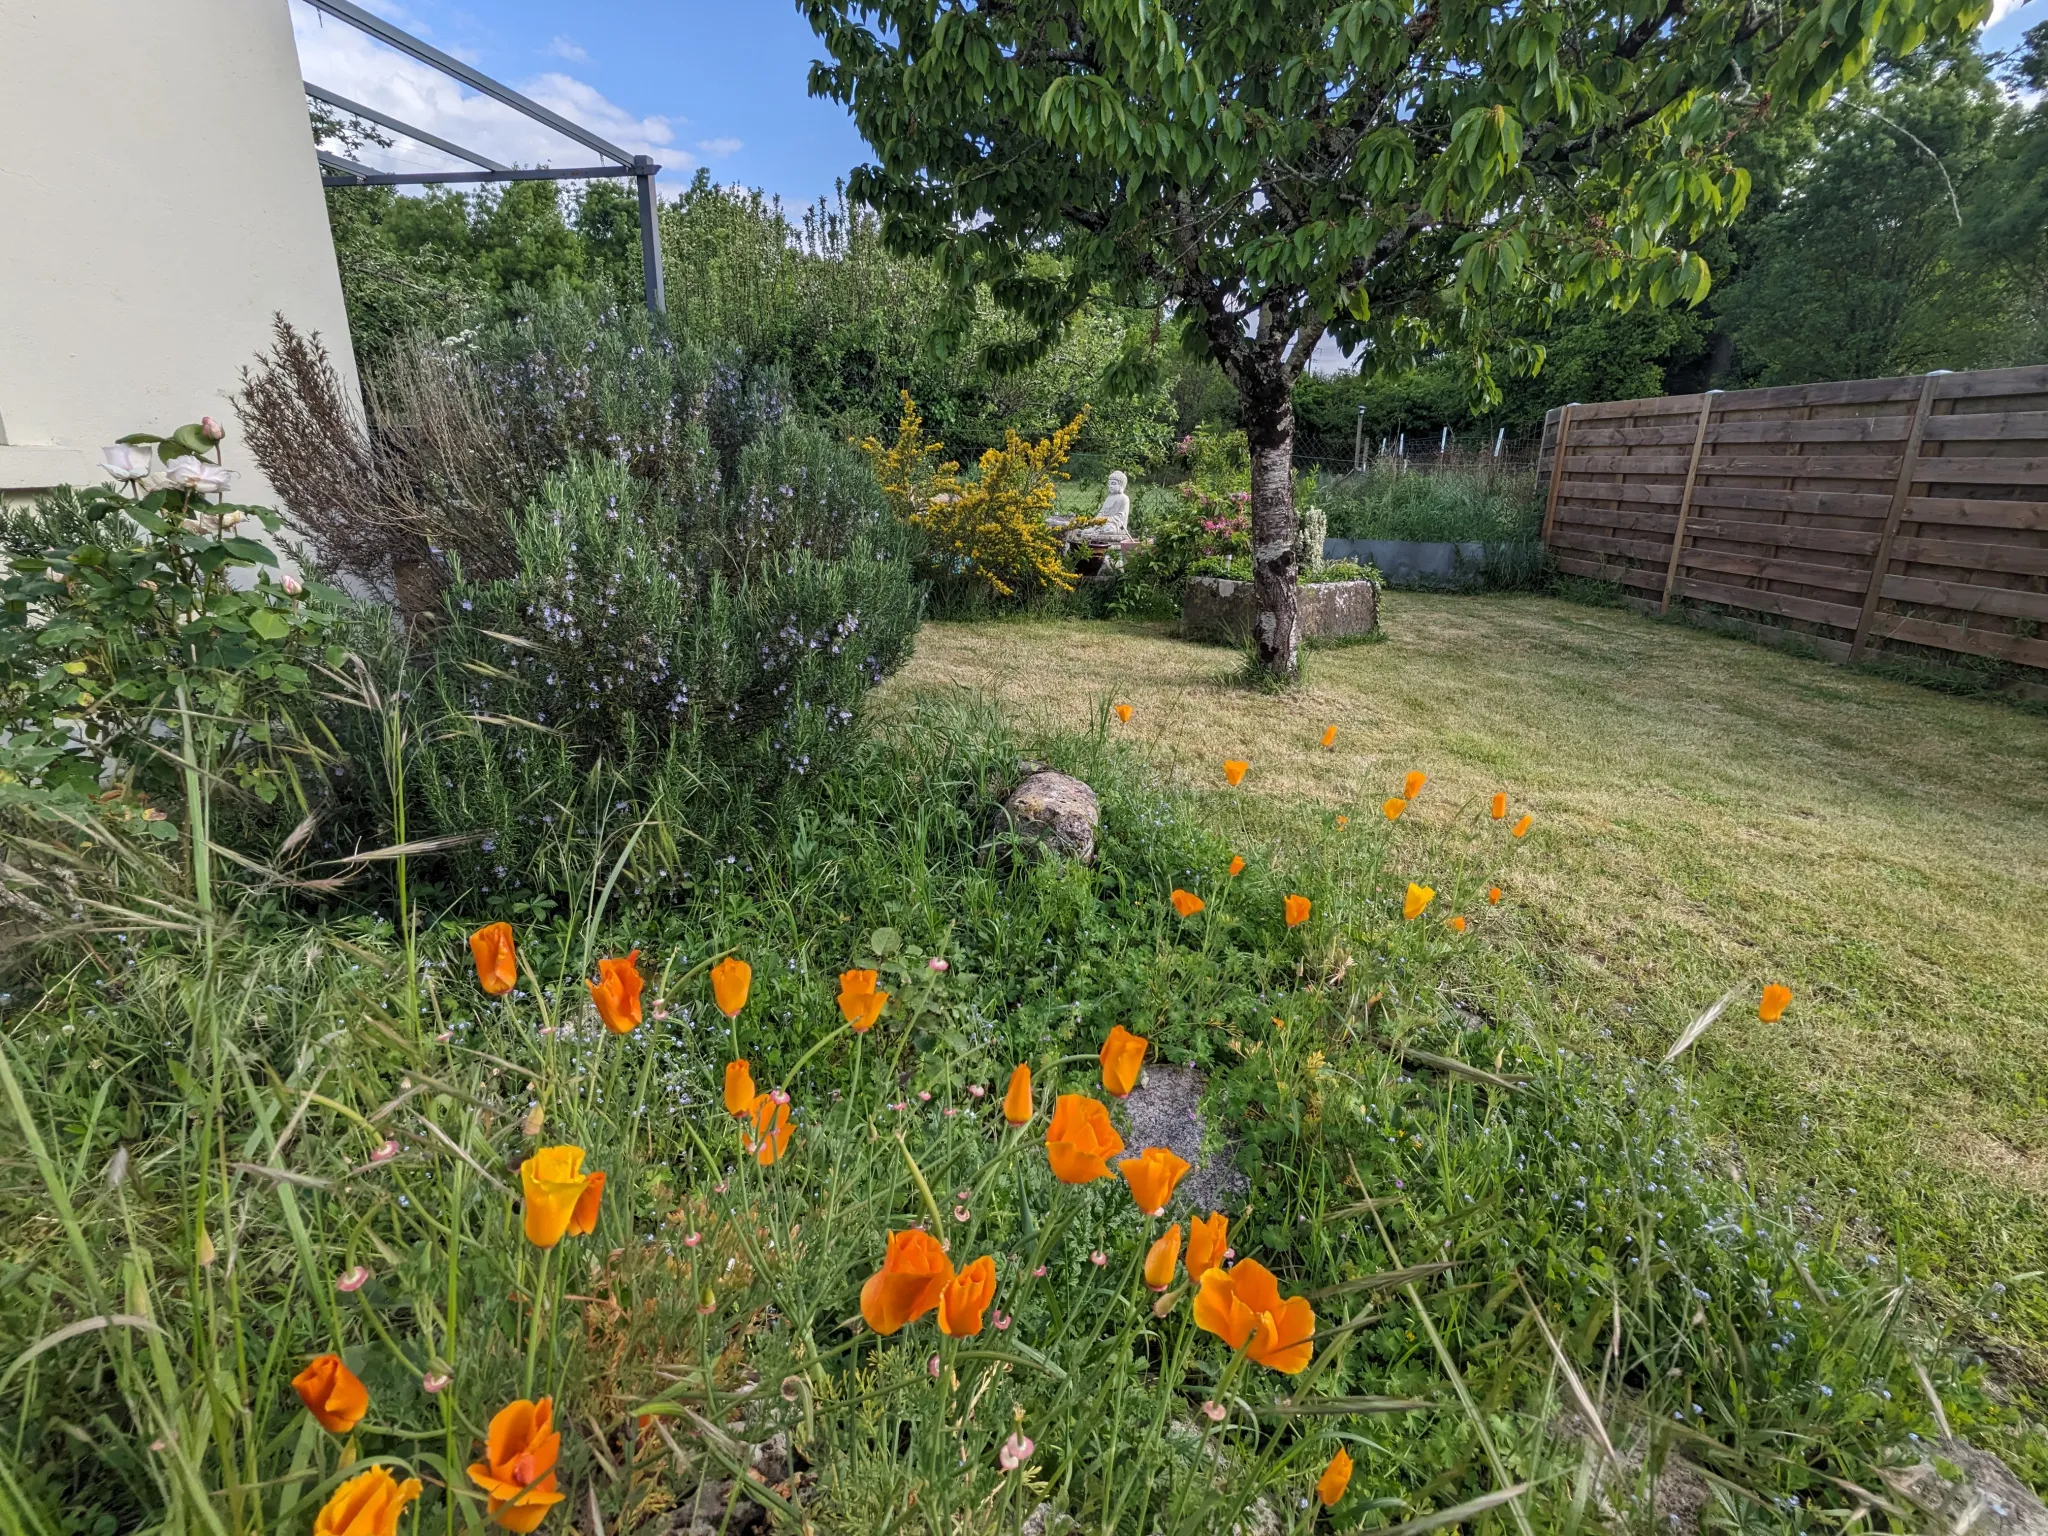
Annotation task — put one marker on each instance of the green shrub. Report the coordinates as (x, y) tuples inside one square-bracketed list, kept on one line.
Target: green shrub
[(690, 658)]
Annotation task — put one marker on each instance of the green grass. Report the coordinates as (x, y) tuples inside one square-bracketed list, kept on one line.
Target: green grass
[(1444, 506), (198, 1133), (1710, 816)]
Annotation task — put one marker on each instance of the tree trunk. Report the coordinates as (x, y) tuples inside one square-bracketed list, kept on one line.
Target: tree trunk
[(1276, 626)]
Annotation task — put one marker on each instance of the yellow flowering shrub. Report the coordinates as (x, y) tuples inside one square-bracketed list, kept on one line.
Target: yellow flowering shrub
[(992, 528)]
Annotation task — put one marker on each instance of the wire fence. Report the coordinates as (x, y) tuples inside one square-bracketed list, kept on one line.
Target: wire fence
[(1424, 452)]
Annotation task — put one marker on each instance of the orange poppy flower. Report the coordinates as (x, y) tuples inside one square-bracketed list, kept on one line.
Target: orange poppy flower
[(497, 966), (1417, 900), (966, 1297), (551, 1184), (1329, 735), (1335, 1479), (1392, 809), (332, 1394), (1297, 911), (1493, 895), (1243, 1307), (583, 1220), (1017, 1106), (1152, 1174), (1772, 1008), (1207, 1238), (1186, 903), (368, 1504), (859, 1000), (915, 1272), (740, 1091), (730, 979), (517, 1473), (1080, 1141), (1234, 770), (1161, 1257), (1456, 925), (1236, 865), (1123, 713), (1343, 822), (768, 1128), (1500, 806), (1521, 828), (617, 993), (1122, 1054), (1411, 786)]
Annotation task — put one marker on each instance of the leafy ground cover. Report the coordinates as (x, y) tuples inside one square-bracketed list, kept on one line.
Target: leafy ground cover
[(1711, 815), (232, 1166)]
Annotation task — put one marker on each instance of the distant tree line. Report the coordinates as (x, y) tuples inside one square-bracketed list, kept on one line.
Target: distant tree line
[(1902, 228)]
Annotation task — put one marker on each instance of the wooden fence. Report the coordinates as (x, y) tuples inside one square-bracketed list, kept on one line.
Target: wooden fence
[(1874, 514)]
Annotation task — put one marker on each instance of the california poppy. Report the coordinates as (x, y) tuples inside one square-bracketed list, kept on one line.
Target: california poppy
[(1123, 713), (1335, 1479), (583, 1220), (1329, 735), (1772, 1008), (1207, 1238), (1161, 1257), (1233, 770), (497, 966), (740, 1091), (1412, 785), (1343, 822), (1392, 809), (769, 1130), (730, 979), (1493, 895), (1122, 1054), (1297, 911), (1080, 1141), (1500, 806), (1521, 828), (517, 1473), (551, 1183), (1236, 865), (1417, 901), (1456, 924), (914, 1273), (1243, 1307), (859, 1000), (616, 992), (1186, 903), (965, 1297), (1152, 1174), (332, 1394), (368, 1504), (1017, 1106)]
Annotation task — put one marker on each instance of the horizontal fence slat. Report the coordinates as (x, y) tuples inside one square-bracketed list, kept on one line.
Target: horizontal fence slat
[(2017, 559), (1967, 597), (1984, 471), (1844, 578), (1785, 535), (1762, 600), (1998, 644), (1969, 512), (1626, 575), (1998, 426)]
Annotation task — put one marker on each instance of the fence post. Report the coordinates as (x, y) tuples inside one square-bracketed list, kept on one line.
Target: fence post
[(1358, 443), (1692, 471), (1564, 432), (1880, 562)]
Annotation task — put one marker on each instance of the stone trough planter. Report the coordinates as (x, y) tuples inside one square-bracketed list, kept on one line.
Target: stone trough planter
[(1213, 608)]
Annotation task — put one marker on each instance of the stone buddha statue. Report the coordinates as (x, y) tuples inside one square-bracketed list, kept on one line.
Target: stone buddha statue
[(1115, 512)]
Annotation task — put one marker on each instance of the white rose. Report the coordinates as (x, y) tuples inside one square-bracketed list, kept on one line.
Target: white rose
[(125, 461), (190, 474)]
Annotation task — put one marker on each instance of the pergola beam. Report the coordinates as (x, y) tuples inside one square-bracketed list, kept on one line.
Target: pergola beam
[(347, 173), (385, 120)]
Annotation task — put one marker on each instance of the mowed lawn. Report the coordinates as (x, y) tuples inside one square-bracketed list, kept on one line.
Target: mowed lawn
[(1710, 815)]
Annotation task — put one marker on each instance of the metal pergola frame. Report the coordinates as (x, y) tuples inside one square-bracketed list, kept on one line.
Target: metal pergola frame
[(342, 172)]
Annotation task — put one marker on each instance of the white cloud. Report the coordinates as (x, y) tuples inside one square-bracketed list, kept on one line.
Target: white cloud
[(345, 61), (2000, 9), (718, 149), (566, 48)]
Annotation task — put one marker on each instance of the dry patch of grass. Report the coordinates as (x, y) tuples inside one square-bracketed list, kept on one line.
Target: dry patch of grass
[(1710, 815)]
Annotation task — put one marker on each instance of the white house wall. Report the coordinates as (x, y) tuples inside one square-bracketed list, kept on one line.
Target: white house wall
[(159, 202)]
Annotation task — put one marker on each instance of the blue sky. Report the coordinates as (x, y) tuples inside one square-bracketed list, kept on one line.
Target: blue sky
[(691, 82)]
